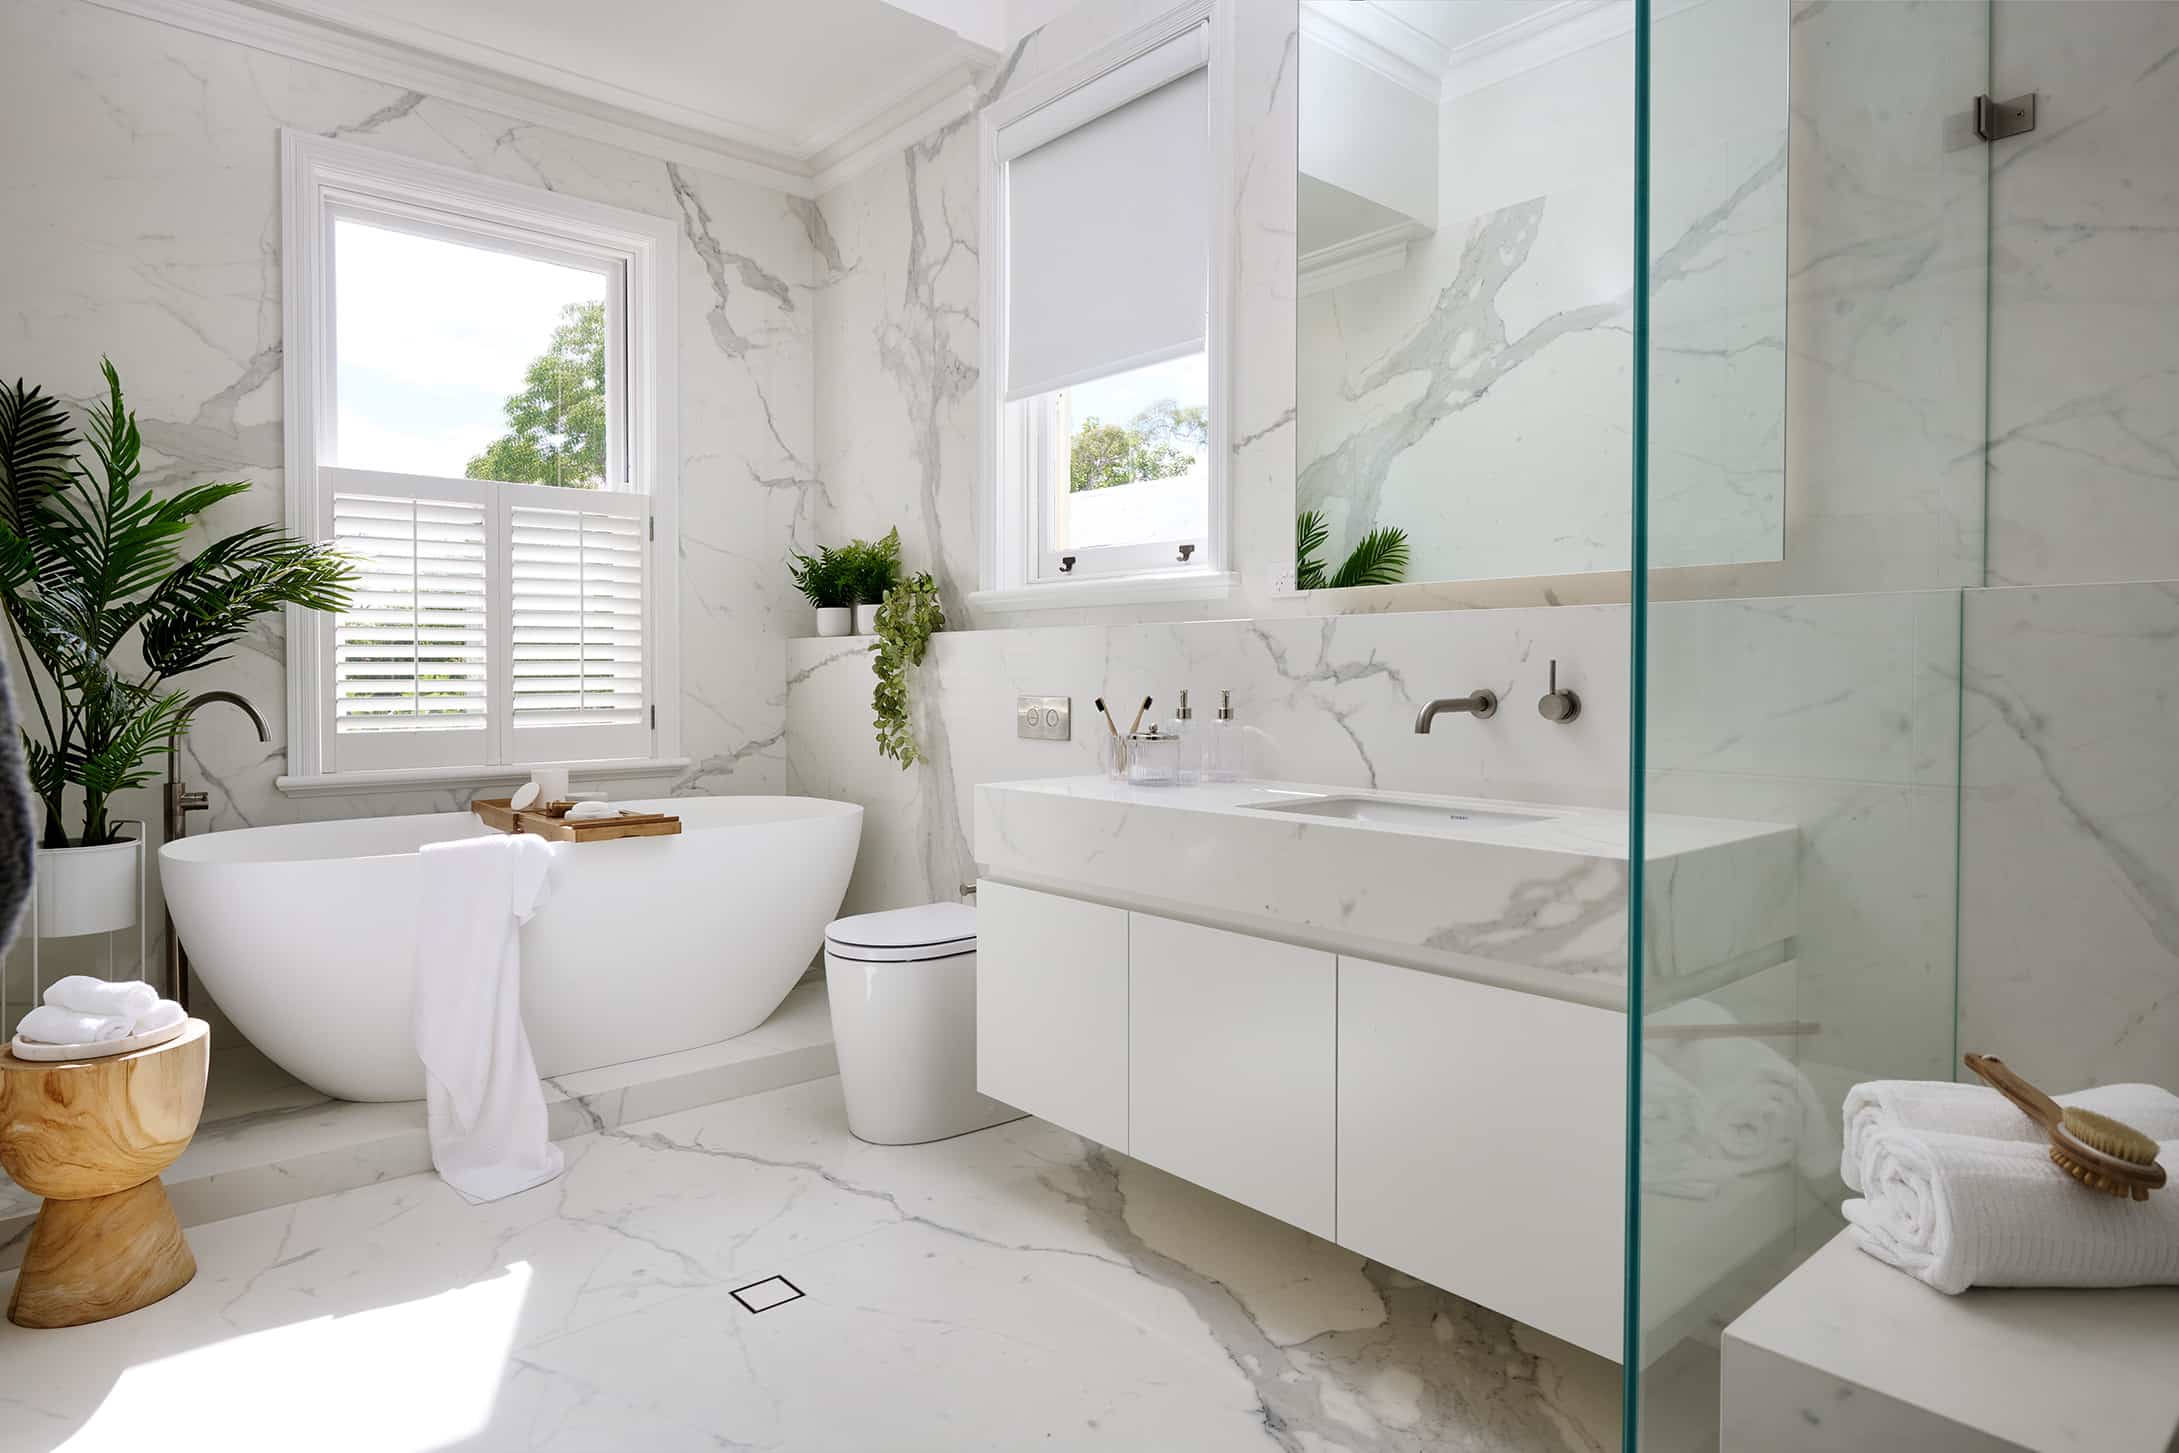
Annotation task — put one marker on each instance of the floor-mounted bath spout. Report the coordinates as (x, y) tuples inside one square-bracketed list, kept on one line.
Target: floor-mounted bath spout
[(180, 802)]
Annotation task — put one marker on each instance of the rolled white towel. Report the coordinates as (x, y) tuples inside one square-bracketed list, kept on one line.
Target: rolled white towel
[(164, 1014), (130, 999), (51, 1024), (1978, 1110), (1756, 1110), (1958, 1211), (1675, 1162)]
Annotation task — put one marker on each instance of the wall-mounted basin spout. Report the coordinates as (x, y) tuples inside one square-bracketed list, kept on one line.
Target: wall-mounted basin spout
[(1481, 704)]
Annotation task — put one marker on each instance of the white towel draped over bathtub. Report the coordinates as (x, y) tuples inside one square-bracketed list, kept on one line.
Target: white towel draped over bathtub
[(484, 1105)]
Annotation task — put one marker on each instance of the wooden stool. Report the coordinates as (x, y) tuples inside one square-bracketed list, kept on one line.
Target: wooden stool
[(91, 1136)]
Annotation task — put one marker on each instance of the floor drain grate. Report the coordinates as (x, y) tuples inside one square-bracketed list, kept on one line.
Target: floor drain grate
[(762, 1296)]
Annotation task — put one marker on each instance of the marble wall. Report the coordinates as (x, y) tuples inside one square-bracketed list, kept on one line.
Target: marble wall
[(2069, 869), (2084, 295), (1478, 395), (142, 223)]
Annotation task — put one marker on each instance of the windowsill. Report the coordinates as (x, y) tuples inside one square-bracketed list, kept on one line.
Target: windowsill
[(1115, 590), (397, 779)]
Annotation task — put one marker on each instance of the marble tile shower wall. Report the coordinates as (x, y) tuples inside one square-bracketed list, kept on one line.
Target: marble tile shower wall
[(153, 235), (2069, 886)]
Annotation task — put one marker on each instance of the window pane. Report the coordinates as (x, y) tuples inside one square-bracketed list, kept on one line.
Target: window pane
[(1138, 455), (464, 361)]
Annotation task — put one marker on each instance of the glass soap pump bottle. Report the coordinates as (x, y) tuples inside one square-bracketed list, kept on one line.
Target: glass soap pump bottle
[(1190, 765), (1224, 749)]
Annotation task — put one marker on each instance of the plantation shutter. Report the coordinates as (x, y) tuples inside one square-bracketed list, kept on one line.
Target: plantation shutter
[(411, 655), (491, 624), (577, 679)]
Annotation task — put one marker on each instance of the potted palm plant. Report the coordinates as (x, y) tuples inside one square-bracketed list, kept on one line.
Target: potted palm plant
[(105, 613)]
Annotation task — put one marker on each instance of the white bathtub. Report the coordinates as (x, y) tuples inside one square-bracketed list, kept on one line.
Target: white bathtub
[(306, 934)]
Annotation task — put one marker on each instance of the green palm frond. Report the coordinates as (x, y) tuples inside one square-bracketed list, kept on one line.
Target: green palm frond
[(209, 602), (1378, 558), (37, 454), (1310, 533)]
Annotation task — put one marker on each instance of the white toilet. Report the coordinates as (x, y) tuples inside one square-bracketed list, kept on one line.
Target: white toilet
[(902, 986)]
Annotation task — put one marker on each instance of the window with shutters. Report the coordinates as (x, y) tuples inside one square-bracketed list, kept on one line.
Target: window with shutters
[(480, 413), (1104, 423)]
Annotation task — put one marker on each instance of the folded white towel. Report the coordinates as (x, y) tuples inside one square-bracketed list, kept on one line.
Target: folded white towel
[(1958, 1211), (130, 999), (1978, 1110), (51, 1024), (1753, 1109), (163, 1014), (484, 1107)]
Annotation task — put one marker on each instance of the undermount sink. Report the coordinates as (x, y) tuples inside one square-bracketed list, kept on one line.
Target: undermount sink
[(1395, 812)]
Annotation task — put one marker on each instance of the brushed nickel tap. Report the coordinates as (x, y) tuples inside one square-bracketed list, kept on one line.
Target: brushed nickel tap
[(1482, 704), (180, 802)]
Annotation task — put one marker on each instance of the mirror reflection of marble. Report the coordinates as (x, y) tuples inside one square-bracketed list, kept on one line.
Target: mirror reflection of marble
[(1466, 236)]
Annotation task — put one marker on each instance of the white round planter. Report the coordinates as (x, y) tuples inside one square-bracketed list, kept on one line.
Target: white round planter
[(834, 620), (88, 890), (866, 620)]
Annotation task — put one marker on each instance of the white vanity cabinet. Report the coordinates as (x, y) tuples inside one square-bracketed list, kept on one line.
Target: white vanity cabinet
[(1466, 1134), (1231, 1079), (1051, 1009), (1482, 1144)]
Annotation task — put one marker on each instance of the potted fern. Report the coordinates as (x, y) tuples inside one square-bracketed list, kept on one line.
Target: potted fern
[(823, 580), (105, 613), (872, 568)]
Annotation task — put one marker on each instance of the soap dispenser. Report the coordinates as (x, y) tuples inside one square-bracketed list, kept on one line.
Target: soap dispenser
[(1189, 766), (1225, 752)]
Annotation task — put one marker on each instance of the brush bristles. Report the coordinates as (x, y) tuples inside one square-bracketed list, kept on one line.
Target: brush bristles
[(2095, 1180), (2114, 1138)]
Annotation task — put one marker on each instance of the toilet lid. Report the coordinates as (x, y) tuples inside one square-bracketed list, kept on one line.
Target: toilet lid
[(928, 931)]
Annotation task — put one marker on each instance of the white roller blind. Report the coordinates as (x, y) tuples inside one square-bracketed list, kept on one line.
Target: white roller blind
[(1108, 235), (410, 652), (576, 632)]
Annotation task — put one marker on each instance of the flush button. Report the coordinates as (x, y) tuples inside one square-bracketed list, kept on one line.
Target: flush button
[(1043, 718)]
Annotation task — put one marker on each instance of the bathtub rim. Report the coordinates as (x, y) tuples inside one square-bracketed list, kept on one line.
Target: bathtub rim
[(253, 846)]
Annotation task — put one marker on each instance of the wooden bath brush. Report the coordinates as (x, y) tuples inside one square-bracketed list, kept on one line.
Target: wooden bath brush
[(2101, 1153)]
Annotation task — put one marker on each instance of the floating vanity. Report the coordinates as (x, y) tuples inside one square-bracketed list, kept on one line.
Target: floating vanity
[(1395, 1021)]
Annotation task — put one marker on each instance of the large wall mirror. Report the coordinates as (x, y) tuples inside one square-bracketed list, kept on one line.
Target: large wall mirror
[(1466, 259)]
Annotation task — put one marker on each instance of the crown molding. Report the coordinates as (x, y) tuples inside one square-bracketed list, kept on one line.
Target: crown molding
[(1373, 37), (309, 31), (1369, 255), (1379, 42)]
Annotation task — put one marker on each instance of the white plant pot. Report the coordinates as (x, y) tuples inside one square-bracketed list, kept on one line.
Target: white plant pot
[(866, 620), (88, 890), (834, 620)]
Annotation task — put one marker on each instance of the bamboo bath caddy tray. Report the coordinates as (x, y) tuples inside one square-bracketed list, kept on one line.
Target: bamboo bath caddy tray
[(549, 821)]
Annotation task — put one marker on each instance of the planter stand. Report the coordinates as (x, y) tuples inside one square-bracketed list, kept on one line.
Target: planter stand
[(37, 978)]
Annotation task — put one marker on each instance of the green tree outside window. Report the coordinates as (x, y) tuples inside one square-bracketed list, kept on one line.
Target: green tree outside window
[(1160, 443), (557, 423)]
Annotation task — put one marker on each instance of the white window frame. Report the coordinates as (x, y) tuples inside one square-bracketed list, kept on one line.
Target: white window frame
[(1017, 443), (326, 179)]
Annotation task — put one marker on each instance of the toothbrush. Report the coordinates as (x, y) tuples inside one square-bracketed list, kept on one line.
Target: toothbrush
[(1110, 725), (1137, 726)]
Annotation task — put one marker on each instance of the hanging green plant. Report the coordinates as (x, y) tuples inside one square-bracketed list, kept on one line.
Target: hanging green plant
[(907, 620)]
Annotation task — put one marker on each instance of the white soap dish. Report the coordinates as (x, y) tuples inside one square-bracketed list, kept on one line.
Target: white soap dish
[(32, 1049)]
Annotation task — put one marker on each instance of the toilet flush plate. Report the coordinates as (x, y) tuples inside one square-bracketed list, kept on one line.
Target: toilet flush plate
[(1044, 718)]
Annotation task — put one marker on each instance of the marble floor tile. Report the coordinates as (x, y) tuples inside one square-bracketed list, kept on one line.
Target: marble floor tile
[(1002, 1290)]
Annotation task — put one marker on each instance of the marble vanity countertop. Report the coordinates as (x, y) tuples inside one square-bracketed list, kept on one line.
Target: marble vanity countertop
[(1537, 903)]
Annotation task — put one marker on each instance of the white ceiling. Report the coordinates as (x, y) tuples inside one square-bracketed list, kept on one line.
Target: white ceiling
[(793, 77)]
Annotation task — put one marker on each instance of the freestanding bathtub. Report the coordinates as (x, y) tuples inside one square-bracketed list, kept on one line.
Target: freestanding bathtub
[(306, 934)]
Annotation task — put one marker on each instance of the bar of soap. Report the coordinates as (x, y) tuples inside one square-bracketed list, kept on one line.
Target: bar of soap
[(590, 811)]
